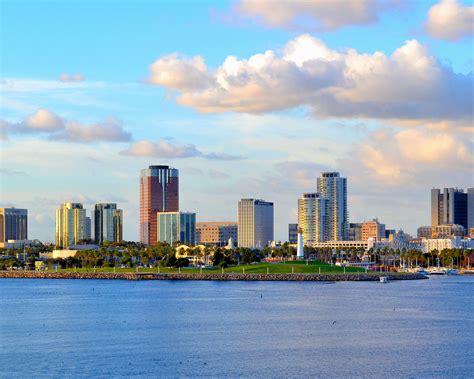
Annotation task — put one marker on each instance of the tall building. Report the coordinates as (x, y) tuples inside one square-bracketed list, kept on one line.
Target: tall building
[(107, 223), (173, 227), (70, 224), (313, 218), (373, 229), (255, 223), (354, 232), (452, 206), (216, 233), (293, 233), (88, 235), (159, 192), (13, 224), (334, 188)]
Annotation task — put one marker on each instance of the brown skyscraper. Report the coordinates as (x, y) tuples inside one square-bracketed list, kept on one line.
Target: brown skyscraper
[(159, 192)]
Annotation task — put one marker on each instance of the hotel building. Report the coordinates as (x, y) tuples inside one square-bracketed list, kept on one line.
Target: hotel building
[(70, 224), (373, 229), (216, 233), (255, 223), (174, 227), (13, 225), (159, 192), (107, 223)]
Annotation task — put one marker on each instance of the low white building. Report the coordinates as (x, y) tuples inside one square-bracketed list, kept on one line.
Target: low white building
[(55, 254)]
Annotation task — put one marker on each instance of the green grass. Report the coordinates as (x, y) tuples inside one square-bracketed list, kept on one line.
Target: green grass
[(260, 268)]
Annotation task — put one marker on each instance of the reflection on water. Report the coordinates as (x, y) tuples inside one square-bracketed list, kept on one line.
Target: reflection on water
[(258, 329)]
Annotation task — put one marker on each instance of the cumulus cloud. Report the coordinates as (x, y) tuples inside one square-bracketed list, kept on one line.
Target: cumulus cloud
[(312, 15), (165, 149), (71, 78), (450, 20), (408, 84), (403, 156), (56, 128)]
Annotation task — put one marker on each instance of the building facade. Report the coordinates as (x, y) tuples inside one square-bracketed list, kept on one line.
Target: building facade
[(107, 223), (70, 224), (334, 188), (452, 206), (313, 218), (354, 231), (255, 223), (159, 192), (373, 229), (13, 225), (216, 233), (293, 233), (176, 227)]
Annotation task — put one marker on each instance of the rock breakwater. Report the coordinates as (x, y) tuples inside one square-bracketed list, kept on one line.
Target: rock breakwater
[(210, 276)]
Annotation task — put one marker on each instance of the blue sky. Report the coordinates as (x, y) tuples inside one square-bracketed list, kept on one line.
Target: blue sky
[(395, 124)]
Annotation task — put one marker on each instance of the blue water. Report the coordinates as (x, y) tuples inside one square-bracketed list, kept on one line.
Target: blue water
[(85, 328)]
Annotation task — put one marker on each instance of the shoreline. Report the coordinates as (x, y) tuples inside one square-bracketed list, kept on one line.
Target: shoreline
[(348, 277)]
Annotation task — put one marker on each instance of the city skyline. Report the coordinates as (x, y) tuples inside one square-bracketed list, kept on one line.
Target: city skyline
[(79, 122)]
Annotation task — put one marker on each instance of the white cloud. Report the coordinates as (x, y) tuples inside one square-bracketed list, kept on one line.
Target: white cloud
[(413, 156), (47, 122), (409, 84), (165, 149), (44, 121), (450, 20), (312, 15), (22, 85), (71, 78)]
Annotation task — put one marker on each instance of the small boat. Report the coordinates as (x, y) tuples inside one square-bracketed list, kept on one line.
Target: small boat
[(384, 279), (452, 272), (437, 272)]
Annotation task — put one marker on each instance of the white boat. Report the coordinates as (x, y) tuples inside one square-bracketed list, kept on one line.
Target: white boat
[(437, 271), (384, 279)]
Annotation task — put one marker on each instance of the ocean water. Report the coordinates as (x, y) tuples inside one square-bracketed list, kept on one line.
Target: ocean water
[(92, 328)]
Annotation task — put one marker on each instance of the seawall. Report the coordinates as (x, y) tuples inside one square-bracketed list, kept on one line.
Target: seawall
[(209, 276)]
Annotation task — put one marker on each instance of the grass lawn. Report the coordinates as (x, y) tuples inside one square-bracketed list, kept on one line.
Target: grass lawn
[(260, 268)]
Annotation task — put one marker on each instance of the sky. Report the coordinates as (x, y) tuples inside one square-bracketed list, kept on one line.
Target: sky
[(246, 98)]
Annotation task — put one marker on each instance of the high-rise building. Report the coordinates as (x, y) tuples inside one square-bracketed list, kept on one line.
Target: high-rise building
[(107, 223), (354, 232), (373, 229), (313, 218), (159, 192), (293, 233), (216, 233), (13, 224), (452, 206), (173, 227), (70, 224), (334, 188), (255, 223), (88, 235)]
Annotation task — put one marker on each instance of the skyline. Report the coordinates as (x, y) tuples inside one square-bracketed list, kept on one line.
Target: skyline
[(116, 99)]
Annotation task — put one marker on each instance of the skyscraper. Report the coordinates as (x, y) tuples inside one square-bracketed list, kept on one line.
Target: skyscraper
[(334, 188), (255, 223), (70, 224), (13, 224), (313, 218), (107, 223), (159, 192), (176, 227), (452, 206)]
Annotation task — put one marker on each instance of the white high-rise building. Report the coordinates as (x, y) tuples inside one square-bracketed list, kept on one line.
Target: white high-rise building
[(313, 218), (70, 224), (334, 188), (255, 223)]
